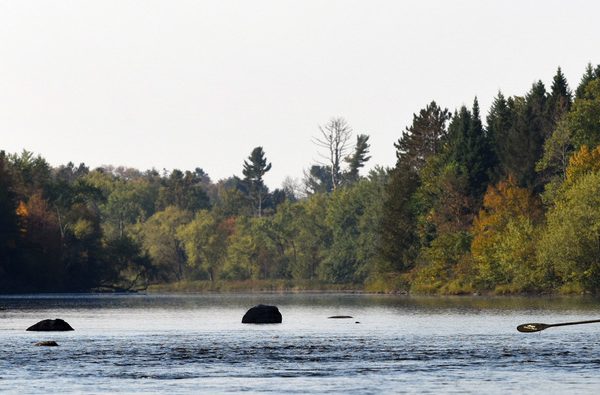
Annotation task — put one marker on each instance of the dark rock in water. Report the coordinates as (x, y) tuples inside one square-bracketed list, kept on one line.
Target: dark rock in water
[(50, 326), (340, 316), (47, 343), (262, 314)]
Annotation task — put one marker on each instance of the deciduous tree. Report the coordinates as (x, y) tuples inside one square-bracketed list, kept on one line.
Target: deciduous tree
[(503, 237), (205, 242)]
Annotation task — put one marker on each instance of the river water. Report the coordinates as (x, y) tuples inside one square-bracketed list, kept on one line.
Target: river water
[(393, 344)]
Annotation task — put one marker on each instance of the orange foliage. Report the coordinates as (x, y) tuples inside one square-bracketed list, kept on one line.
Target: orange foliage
[(501, 203), (22, 211), (41, 227), (582, 162)]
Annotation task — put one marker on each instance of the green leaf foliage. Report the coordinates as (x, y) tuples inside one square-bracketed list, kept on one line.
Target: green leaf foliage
[(460, 212), (570, 244)]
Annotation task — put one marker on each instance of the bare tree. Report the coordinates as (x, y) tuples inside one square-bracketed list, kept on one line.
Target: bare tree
[(293, 188), (335, 140)]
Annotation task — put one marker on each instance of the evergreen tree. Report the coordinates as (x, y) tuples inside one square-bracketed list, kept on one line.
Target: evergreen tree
[(530, 127), (31, 174), (560, 99), (518, 143), (358, 158), (471, 149), (539, 127), (425, 137), (498, 125), (318, 180), (399, 239), (537, 110), (254, 169), (556, 144), (589, 75)]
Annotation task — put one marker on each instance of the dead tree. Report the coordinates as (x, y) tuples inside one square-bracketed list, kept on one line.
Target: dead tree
[(335, 140)]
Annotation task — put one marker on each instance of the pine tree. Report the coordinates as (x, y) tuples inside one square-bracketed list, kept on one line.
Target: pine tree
[(560, 99), (537, 110), (556, 144), (425, 137), (471, 149), (254, 170), (498, 124), (539, 128), (318, 180), (588, 76), (398, 230), (518, 142), (399, 239), (358, 158), (530, 127)]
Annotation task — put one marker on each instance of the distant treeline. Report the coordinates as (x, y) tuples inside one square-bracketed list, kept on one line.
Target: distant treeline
[(509, 206)]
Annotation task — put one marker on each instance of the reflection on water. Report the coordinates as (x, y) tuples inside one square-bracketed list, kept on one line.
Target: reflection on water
[(186, 301), (196, 343)]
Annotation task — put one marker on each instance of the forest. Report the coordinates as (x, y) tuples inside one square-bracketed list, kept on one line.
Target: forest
[(503, 203)]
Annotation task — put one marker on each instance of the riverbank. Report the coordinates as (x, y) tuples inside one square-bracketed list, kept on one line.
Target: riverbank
[(254, 286), (395, 286)]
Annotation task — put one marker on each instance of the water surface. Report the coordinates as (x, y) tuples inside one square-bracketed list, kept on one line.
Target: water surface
[(394, 344)]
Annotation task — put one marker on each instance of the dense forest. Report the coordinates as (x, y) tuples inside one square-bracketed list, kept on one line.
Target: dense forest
[(509, 205)]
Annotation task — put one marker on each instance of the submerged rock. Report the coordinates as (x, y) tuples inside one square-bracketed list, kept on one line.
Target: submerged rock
[(47, 343), (50, 326), (262, 314), (340, 316)]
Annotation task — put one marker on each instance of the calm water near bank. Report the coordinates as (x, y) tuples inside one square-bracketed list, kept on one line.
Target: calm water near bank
[(196, 343)]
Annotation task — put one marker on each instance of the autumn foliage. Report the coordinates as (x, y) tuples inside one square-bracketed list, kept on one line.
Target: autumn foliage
[(501, 244), (583, 162)]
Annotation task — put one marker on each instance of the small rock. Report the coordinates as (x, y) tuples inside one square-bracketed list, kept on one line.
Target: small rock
[(51, 326), (47, 343), (262, 314)]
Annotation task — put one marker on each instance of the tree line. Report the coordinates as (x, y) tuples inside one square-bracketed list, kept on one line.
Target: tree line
[(509, 205)]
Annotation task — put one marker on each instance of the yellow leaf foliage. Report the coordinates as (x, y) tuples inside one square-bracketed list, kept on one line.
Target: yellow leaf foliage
[(22, 210), (583, 162), (503, 204)]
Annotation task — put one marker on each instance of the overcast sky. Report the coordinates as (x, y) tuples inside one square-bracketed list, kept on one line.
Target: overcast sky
[(185, 84)]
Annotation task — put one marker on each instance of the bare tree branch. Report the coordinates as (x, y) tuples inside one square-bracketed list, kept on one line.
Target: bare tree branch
[(335, 140)]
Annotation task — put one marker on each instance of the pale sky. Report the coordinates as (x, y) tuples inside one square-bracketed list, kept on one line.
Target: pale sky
[(185, 84)]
